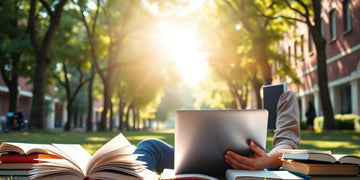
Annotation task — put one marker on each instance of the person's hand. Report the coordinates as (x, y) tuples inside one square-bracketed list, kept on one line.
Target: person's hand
[(258, 161)]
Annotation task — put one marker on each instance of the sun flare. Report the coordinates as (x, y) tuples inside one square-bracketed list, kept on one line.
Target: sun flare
[(183, 46)]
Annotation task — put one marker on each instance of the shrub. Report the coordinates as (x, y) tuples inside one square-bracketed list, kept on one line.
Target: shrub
[(318, 124), (342, 121)]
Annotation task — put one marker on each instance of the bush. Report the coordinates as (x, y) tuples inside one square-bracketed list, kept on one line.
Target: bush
[(318, 124), (342, 121)]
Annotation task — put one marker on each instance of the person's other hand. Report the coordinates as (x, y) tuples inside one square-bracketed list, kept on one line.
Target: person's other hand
[(258, 161)]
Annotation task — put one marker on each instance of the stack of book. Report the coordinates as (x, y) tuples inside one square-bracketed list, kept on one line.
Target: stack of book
[(315, 164), (17, 163), (114, 160)]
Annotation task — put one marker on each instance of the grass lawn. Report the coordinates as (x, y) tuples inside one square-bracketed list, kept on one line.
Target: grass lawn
[(347, 142)]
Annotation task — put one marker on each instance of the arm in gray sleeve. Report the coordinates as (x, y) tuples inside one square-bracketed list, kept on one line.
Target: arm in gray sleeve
[(287, 122)]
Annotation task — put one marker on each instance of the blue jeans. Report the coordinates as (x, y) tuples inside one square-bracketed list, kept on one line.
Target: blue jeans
[(156, 153)]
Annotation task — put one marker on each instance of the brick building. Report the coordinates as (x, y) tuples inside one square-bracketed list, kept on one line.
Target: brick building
[(55, 118), (341, 29)]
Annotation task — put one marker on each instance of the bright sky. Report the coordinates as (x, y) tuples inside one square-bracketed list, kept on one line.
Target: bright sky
[(183, 46)]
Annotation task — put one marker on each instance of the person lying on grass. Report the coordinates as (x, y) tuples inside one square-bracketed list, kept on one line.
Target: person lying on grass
[(159, 155)]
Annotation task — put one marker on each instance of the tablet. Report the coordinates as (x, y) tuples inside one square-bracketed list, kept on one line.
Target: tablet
[(271, 96)]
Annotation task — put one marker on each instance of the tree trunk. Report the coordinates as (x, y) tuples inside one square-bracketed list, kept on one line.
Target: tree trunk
[(329, 121), (234, 94), (320, 45), (68, 116), (11, 81), (137, 118), (244, 95), (111, 117), (13, 95), (103, 119), (107, 89), (89, 122), (257, 86), (121, 114), (127, 121), (38, 101), (265, 67), (75, 118), (42, 58), (134, 118)]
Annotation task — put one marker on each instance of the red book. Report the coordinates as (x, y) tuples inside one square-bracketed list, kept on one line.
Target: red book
[(31, 158)]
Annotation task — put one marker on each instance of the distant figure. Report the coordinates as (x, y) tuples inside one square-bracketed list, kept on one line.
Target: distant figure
[(310, 116), (20, 118)]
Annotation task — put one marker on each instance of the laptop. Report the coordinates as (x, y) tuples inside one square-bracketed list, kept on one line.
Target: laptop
[(203, 136)]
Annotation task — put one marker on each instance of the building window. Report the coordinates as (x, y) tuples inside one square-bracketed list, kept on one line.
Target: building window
[(310, 43), (346, 15), (345, 93), (332, 16)]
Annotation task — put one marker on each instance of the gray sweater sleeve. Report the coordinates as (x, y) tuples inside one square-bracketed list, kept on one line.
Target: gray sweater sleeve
[(287, 123)]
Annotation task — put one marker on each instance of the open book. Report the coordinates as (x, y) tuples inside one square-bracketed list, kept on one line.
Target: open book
[(322, 156), (24, 148), (114, 160)]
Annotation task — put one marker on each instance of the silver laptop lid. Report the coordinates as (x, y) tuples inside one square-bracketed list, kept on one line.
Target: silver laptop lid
[(203, 136)]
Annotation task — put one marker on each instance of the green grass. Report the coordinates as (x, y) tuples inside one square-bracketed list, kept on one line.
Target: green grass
[(347, 142), (342, 142)]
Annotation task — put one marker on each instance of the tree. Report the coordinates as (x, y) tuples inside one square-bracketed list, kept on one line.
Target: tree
[(309, 12), (13, 44), (263, 34), (90, 23), (71, 93), (243, 47), (213, 93), (70, 68), (41, 44), (120, 18)]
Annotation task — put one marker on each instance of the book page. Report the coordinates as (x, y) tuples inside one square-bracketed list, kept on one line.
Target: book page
[(76, 154), (111, 157), (118, 142), (118, 162), (304, 151), (24, 148), (349, 159), (56, 166)]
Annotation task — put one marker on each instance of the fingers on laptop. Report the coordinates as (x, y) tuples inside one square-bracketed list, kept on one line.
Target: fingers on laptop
[(240, 162), (257, 149)]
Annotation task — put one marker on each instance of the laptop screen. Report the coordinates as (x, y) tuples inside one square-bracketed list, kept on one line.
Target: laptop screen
[(203, 136)]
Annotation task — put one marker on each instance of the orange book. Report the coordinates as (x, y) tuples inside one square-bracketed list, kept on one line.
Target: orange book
[(31, 158)]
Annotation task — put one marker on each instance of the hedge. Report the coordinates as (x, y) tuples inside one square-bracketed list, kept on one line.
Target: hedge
[(342, 121)]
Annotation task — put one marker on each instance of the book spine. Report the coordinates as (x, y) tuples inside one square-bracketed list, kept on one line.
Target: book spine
[(31, 158)]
